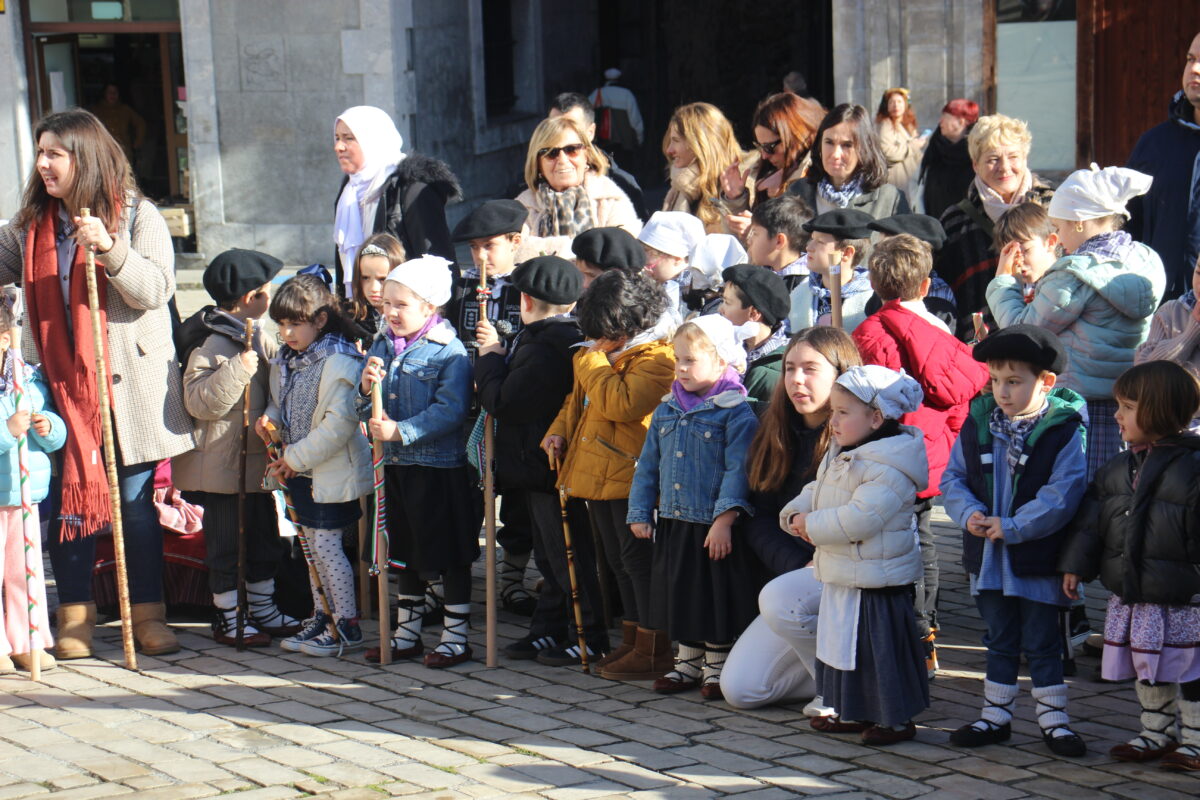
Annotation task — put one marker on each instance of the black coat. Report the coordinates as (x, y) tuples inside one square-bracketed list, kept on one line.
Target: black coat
[(946, 171), (525, 396), (1144, 543), (413, 208), (777, 549)]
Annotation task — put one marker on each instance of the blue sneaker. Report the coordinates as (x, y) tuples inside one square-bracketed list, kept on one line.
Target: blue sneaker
[(350, 637), (313, 627)]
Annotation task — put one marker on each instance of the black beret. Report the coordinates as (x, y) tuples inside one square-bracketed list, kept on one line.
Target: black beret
[(765, 289), (493, 218), (238, 272), (549, 278), (1028, 343), (844, 223), (610, 248), (924, 227)]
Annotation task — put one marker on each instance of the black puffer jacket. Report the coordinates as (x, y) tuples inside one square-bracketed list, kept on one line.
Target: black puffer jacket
[(525, 394), (413, 206), (1144, 543)]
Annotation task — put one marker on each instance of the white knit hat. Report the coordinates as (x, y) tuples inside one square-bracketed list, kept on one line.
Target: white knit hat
[(675, 233), (893, 393), (712, 256), (1094, 193), (726, 338), (428, 277)]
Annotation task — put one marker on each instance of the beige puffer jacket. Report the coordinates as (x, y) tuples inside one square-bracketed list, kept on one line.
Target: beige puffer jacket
[(860, 512), (214, 383)]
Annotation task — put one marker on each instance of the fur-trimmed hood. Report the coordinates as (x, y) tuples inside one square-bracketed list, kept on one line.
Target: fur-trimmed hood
[(418, 168)]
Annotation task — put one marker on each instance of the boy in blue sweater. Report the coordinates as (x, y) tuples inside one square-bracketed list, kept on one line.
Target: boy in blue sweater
[(1016, 476)]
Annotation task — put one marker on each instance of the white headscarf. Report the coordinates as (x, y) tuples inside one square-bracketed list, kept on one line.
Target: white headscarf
[(712, 256), (726, 338), (1094, 193), (380, 143), (893, 393), (428, 277)]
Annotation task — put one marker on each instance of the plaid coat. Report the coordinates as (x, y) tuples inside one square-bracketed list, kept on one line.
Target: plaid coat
[(147, 397)]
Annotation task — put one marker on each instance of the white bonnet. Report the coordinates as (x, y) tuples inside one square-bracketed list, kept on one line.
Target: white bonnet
[(675, 233), (428, 277), (716, 252), (726, 338), (1093, 193), (893, 393)]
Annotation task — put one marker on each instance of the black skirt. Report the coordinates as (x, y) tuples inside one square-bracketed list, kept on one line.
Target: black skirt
[(695, 598), (889, 685), (433, 517)]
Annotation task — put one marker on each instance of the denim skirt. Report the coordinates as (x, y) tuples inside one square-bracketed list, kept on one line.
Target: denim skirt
[(327, 516)]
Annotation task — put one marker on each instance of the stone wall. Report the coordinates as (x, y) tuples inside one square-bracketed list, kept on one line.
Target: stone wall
[(16, 138), (932, 47)]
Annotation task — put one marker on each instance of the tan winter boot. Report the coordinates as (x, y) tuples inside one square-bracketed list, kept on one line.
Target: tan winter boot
[(76, 623), (628, 638), (150, 629), (649, 660), (25, 660)]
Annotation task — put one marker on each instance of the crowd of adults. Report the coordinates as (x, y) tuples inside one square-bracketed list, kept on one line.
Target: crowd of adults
[(967, 172)]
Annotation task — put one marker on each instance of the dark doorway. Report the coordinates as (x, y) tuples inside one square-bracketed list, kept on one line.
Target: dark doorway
[(726, 52)]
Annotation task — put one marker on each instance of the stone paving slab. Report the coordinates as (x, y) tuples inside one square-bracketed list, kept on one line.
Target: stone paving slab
[(266, 725)]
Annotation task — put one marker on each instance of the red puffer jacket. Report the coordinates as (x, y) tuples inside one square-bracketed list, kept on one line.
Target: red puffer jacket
[(896, 338)]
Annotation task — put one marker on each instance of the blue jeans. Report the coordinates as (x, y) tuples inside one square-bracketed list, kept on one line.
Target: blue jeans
[(74, 561), (1015, 626)]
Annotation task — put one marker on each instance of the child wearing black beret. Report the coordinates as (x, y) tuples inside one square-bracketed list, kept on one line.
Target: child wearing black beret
[(753, 294), (217, 370)]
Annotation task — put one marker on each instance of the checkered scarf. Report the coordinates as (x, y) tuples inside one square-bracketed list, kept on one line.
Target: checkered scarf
[(1114, 245), (1016, 430)]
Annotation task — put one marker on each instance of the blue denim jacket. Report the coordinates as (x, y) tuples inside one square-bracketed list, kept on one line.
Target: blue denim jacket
[(693, 464), (427, 390)]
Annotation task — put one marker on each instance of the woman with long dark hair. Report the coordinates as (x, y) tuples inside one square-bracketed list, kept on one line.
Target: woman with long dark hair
[(849, 170), (79, 165), (775, 659)]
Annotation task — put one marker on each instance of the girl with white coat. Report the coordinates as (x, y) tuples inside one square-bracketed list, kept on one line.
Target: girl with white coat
[(858, 515)]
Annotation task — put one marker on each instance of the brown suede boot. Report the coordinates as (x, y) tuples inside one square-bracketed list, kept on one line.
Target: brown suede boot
[(76, 623), (628, 638), (150, 629), (649, 660)]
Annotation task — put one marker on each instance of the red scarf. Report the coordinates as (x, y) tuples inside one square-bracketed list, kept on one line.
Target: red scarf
[(69, 365)]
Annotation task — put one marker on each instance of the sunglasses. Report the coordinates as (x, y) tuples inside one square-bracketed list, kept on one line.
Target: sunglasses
[(551, 153), (768, 148)]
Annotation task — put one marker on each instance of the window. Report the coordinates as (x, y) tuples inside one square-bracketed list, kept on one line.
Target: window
[(506, 71)]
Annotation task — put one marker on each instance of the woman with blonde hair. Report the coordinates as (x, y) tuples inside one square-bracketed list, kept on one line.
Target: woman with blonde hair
[(569, 191), (897, 127), (699, 144)]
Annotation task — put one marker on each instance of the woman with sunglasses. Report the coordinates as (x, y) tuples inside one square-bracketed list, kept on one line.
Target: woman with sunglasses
[(569, 191), (784, 131), (699, 145), (851, 170), (897, 127)]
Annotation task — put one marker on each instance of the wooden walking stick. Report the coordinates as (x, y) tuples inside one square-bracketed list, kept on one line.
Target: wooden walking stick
[(241, 540), (835, 295), (489, 500), (30, 530), (380, 532), (110, 456), (275, 452), (575, 601)]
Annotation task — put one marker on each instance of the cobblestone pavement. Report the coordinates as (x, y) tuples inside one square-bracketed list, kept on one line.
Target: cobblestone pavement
[(265, 725)]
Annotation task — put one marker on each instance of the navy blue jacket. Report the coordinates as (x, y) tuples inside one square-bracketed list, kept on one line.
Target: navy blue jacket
[(1161, 217)]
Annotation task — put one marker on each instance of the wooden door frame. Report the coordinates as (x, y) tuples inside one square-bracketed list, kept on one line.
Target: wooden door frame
[(42, 94)]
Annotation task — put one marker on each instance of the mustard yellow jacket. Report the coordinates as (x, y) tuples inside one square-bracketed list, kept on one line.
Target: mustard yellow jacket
[(605, 418)]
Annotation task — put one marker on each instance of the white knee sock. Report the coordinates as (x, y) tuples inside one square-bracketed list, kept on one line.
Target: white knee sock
[(337, 575), (688, 661), (998, 703), (408, 621), (1158, 714), (1052, 709), (454, 634), (714, 661), (1189, 727)]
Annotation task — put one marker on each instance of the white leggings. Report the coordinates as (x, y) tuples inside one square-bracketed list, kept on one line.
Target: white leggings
[(337, 576), (775, 660)]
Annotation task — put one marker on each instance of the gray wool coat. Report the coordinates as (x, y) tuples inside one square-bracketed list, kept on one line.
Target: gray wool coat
[(151, 423)]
